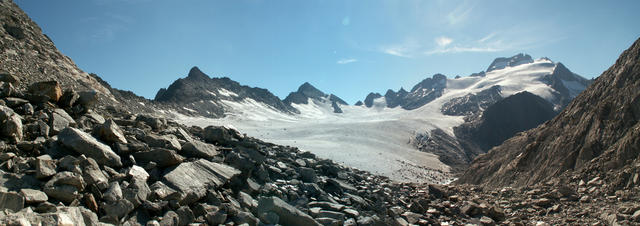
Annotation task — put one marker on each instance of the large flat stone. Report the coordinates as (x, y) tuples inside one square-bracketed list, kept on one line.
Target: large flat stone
[(189, 177), (84, 143), (11, 200), (288, 215)]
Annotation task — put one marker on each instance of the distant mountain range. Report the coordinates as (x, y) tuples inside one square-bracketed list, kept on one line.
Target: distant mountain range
[(514, 94)]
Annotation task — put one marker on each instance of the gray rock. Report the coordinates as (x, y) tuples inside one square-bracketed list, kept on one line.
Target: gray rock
[(327, 206), (45, 168), (163, 157), (138, 173), (288, 215), (247, 201), (328, 221), (11, 124), (221, 135), (92, 174), (216, 218), (161, 191), (331, 214), (114, 193), (60, 119), (170, 218), (118, 209), (246, 218), (192, 177), (269, 218), (154, 122), (11, 201), (32, 196), (185, 216), (64, 186), (111, 132), (163, 141), (136, 192), (308, 175), (198, 149), (14, 102), (84, 143), (68, 98)]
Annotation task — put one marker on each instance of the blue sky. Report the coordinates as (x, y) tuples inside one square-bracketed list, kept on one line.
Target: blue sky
[(348, 48)]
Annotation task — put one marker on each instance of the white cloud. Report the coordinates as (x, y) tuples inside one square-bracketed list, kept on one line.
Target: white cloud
[(347, 61), (443, 41)]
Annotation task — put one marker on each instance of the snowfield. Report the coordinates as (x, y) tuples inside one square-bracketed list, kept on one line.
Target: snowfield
[(374, 139)]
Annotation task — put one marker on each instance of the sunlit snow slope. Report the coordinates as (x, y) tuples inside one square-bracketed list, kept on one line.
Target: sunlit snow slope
[(375, 139)]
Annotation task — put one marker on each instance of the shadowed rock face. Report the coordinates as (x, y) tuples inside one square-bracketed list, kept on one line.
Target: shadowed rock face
[(598, 131), (505, 118)]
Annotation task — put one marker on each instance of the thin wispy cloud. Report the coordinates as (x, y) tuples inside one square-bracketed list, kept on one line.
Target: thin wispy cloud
[(347, 61), (460, 13), (108, 26), (406, 49)]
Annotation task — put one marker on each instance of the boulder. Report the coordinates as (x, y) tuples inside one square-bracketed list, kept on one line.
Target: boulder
[(46, 91), (84, 143), (287, 214), (11, 124), (308, 175), (11, 201), (193, 177), (161, 156), (198, 149), (32, 196), (154, 122), (111, 132), (221, 135)]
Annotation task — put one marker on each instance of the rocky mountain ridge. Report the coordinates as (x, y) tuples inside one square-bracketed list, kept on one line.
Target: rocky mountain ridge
[(596, 131)]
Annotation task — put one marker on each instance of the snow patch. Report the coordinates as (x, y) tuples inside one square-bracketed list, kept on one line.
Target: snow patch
[(224, 92)]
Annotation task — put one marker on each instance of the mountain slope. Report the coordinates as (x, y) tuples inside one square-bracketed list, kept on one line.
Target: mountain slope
[(598, 129), (202, 95), (30, 56)]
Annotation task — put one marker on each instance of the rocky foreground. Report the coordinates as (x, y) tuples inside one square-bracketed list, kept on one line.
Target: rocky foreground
[(66, 161)]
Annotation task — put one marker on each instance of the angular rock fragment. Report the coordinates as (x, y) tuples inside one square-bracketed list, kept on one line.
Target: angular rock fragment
[(287, 214), (84, 143)]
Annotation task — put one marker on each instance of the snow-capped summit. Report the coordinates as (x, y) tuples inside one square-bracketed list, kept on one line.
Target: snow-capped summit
[(503, 62)]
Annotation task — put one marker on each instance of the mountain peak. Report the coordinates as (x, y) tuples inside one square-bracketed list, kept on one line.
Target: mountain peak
[(310, 91), (196, 73), (503, 62)]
